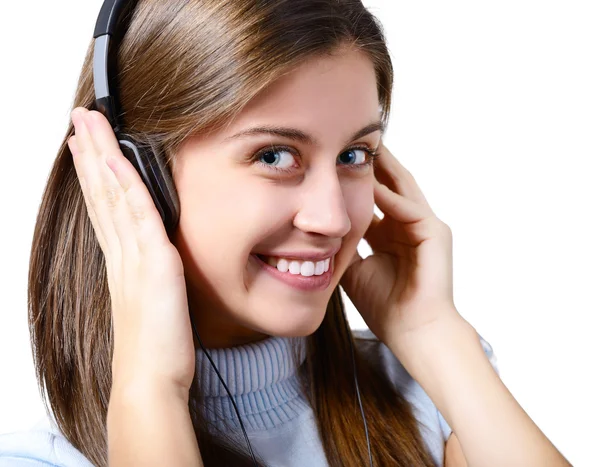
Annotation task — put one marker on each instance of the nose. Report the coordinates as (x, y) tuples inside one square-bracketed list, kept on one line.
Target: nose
[(322, 205)]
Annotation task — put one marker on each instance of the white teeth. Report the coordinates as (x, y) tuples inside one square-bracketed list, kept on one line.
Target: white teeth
[(306, 268), (294, 267)]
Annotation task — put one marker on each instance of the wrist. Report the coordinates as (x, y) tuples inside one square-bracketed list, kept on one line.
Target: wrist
[(132, 390), (422, 352), (149, 423)]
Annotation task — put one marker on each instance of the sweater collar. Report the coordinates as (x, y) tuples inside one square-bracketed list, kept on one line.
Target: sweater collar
[(262, 378)]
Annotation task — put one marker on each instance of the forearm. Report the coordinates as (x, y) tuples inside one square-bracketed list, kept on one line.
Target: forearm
[(492, 428), (150, 426)]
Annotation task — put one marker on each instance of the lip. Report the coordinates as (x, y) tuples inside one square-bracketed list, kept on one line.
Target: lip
[(310, 256), (298, 281)]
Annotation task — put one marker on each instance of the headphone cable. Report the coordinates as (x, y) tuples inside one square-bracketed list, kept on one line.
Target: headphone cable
[(226, 388), (359, 400)]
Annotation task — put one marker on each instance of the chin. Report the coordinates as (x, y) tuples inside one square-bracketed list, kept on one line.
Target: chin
[(282, 326)]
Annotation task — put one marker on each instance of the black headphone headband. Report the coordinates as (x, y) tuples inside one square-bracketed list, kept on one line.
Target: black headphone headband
[(110, 28), (109, 15)]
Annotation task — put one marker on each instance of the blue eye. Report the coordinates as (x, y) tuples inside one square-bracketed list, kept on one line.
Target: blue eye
[(363, 150), (274, 155)]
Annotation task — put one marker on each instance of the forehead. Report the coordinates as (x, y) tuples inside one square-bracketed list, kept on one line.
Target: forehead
[(324, 96)]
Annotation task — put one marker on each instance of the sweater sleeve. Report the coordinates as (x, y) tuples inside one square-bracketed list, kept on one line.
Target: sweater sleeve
[(37, 448)]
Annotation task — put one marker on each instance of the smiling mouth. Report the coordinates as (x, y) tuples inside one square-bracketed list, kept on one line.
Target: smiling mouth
[(312, 282), (325, 264)]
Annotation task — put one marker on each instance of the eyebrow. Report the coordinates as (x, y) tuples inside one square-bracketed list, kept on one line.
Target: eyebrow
[(300, 136)]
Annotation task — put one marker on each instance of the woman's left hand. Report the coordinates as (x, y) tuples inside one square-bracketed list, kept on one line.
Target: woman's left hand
[(405, 287)]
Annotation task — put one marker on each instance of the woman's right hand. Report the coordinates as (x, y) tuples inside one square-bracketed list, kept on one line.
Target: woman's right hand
[(153, 341)]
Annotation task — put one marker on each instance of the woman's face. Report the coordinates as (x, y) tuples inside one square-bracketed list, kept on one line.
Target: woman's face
[(234, 205)]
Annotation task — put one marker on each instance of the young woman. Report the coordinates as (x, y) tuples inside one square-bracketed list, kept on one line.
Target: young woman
[(269, 115)]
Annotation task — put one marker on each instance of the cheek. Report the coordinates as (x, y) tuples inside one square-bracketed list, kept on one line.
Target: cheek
[(360, 203), (210, 224), (224, 220), (212, 201)]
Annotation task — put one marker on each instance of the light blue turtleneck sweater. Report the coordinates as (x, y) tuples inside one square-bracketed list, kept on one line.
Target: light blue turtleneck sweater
[(263, 381)]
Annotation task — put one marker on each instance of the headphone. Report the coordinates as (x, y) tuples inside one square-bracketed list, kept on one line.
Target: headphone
[(142, 155), (146, 157)]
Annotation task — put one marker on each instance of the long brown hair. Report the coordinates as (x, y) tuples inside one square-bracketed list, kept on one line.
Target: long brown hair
[(187, 66)]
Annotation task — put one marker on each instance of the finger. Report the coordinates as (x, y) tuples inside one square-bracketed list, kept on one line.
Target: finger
[(128, 202), (396, 177), (84, 142), (112, 206), (401, 208), (90, 178), (102, 135), (139, 219), (72, 143), (102, 188)]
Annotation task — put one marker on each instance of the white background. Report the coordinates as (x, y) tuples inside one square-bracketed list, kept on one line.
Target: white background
[(496, 113)]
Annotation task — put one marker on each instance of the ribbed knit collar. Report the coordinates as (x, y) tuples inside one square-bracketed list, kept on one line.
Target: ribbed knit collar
[(262, 378)]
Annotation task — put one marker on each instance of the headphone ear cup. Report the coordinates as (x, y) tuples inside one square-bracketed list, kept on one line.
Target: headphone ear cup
[(156, 176)]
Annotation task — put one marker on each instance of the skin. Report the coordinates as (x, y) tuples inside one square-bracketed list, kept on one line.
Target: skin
[(403, 291), (231, 207)]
